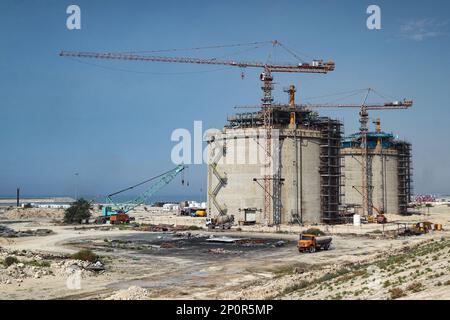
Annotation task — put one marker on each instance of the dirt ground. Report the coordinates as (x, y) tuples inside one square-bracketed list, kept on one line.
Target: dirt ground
[(363, 263)]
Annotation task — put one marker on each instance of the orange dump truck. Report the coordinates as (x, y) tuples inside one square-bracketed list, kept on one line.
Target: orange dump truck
[(311, 243), (120, 218)]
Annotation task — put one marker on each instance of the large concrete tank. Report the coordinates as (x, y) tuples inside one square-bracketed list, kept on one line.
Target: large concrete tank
[(389, 173), (237, 167)]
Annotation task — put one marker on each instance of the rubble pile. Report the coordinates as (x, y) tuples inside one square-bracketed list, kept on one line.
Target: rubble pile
[(162, 228), (10, 233), (223, 251), (250, 241), (132, 293), (17, 266)]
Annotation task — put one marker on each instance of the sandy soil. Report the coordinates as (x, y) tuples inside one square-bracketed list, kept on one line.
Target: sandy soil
[(32, 213), (362, 264)]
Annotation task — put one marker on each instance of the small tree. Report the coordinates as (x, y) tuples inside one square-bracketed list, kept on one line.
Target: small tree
[(85, 255), (78, 211), (314, 231)]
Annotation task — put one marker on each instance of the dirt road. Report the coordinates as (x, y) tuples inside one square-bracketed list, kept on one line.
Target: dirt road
[(185, 265)]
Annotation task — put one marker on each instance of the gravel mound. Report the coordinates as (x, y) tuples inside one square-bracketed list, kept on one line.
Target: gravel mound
[(132, 293)]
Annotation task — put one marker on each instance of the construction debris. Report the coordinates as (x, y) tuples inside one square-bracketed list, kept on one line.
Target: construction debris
[(10, 233), (279, 243), (132, 293), (96, 267), (223, 251), (223, 239), (168, 245), (31, 265), (250, 241), (162, 228)]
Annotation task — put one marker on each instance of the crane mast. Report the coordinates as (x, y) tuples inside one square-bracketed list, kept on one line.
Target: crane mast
[(316, 66)]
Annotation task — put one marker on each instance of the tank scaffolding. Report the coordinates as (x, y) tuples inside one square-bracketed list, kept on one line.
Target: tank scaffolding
[(404, 175), (331, 170)]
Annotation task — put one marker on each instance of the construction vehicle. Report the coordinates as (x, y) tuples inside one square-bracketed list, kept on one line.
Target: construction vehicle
[(417, 228), (422, 227), (379, 218), (113, 217), (117, 213), (311, 243), (192, 212), (200, 213), (221, 221)]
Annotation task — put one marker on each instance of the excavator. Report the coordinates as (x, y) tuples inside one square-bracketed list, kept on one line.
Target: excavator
[(379, 218), (117, 213)]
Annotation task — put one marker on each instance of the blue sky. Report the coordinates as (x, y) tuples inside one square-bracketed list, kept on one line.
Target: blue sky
[(112, 121)]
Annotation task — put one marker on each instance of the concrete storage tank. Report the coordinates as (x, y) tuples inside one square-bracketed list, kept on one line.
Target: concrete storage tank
[(306, 184), (389, 172)]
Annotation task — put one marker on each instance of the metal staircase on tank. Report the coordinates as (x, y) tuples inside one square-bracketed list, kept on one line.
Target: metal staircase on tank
[(222, 181)]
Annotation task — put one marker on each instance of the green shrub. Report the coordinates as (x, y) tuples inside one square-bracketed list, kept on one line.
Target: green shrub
[(296, 286), (78, 211), (396, 293), (415, 287), (10, 261), (314, 231), (194, 228), (85, 255), (39, 264)]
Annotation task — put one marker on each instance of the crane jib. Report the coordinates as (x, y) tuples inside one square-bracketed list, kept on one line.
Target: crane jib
[(315, 67), (164, 179)]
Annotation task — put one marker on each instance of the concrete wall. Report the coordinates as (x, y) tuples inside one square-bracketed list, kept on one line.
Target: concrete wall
[(352, 172), (244, 161), (303, 169)]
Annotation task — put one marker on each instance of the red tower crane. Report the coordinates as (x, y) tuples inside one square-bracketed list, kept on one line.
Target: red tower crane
[(315, 66)]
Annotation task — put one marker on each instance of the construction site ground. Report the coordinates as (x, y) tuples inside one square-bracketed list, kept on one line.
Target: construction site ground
[(364, 262)]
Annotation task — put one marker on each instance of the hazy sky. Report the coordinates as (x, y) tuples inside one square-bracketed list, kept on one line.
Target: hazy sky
[(112, 121)]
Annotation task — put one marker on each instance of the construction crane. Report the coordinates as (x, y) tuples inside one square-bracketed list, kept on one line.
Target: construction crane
[(363, 120), (316, 66), (116, 212)]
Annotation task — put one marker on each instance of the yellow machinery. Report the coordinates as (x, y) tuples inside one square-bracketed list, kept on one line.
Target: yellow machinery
[(200, 213), (422, 227)]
